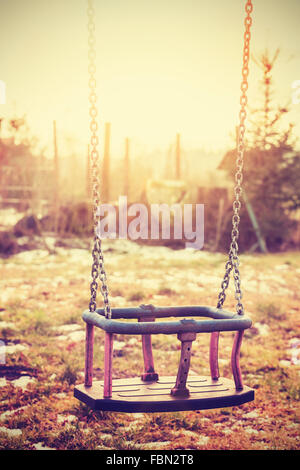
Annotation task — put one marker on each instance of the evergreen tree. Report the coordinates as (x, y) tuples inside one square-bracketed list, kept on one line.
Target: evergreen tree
[(272, 166)]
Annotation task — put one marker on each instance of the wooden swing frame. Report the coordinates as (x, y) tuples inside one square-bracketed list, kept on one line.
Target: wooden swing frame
[(151, 393)]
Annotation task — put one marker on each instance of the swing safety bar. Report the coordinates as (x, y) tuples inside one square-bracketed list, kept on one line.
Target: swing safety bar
[(219, 320)]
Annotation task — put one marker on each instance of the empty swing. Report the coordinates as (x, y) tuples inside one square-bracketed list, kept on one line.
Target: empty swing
[(150, 392)]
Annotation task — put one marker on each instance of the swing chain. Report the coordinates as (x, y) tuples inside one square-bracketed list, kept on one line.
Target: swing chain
[(233, 259), (98, 270)]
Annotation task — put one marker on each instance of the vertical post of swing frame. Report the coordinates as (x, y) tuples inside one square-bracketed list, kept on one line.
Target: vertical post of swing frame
[(235, 360), (108, 357), (180, 389), (149, 373), (89, 353), (213, 355)]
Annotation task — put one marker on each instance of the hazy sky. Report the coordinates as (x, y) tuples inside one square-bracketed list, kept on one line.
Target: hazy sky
[(162, 66)]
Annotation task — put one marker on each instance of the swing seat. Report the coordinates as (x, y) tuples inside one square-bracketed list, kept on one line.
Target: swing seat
[(135, 396), (151, 393)]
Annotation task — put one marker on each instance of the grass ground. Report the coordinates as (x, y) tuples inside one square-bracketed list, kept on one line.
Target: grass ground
[(42, 334)]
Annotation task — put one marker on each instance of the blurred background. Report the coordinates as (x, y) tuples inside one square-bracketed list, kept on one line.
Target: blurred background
[(168, 88)]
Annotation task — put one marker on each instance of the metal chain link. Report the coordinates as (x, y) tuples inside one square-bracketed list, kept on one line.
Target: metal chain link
[(233, 260), (98, 270)]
